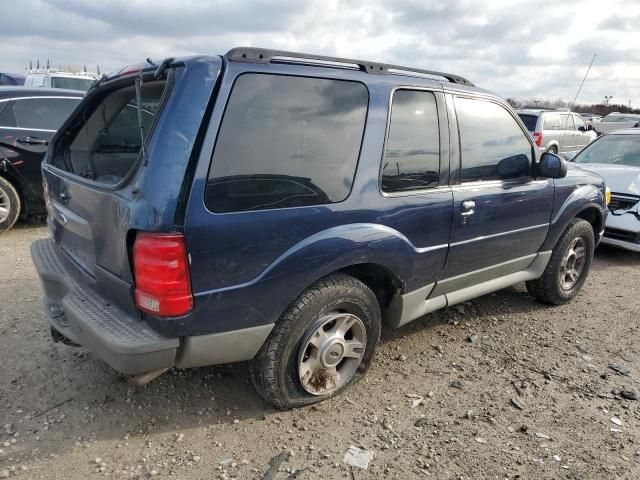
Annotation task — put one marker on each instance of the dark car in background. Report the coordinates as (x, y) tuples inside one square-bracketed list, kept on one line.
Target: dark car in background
[(29, 117), (11, 79)]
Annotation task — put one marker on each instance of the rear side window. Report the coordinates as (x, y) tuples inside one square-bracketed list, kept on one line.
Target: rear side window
[(530, 121), (107, 143), (412, 153), (552, 122), (7, 118), (286, 142), (492, 144), (43, 113)]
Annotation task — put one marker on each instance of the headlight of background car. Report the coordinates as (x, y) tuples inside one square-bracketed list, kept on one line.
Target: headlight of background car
[(607, 195)]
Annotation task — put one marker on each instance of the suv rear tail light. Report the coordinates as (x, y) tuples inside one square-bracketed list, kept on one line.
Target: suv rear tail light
[(161, 271), (537, 138)]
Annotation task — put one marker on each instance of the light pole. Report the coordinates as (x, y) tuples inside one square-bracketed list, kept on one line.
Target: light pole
[(607, 98)]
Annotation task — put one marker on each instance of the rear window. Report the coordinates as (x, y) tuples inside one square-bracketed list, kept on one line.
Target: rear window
[(529, 121), (71, 83), (286, 141), (107, 144)]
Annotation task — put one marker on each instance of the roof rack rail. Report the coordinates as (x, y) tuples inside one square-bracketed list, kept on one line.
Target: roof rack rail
[(264, 55)]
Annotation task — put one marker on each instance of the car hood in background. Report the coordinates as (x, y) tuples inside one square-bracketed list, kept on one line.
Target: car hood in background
[(619, 178)]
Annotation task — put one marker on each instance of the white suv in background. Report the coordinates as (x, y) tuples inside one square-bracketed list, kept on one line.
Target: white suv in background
[(557, 132), (52, 78)]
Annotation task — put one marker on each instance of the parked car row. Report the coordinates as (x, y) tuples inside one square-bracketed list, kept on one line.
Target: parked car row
[(556, 131), (617, 121), (278, 208)]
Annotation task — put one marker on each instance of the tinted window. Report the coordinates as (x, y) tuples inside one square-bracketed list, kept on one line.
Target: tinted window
[(492, 145), (412, 153), (43, 113), (7, 118), (529, 121), (285, 142)]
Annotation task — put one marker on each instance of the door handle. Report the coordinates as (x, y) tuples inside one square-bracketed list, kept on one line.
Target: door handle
[(467, 207), (32, 141)]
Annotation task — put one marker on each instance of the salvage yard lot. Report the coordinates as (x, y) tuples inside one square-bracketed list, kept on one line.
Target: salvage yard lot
[(511, 389)]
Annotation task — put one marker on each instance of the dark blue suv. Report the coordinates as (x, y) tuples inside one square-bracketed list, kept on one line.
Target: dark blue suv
[(278, 208)]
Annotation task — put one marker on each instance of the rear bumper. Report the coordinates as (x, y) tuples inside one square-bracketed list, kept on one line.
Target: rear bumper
[(120, 338), (117, 337)]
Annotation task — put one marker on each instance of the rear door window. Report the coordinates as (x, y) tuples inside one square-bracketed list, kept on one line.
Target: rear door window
[(286, 141), (567, 122), (492, 144), (7, 118), (412, 153), (43, 113), (552, 121)]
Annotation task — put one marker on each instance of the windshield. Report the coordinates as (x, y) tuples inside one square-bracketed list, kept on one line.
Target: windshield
[(613, 149), (620, 118), (72, 83)]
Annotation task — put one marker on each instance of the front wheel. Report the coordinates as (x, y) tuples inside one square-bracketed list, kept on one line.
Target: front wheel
[(320, 346), (568, 267)]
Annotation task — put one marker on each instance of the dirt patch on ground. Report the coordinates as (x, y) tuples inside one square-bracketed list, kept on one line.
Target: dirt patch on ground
[(501, 387)]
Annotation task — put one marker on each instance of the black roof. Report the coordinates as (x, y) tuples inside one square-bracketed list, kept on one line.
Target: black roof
[(11, 92)]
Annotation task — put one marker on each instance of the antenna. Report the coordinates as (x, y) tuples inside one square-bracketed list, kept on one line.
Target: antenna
[(582, 83), (84, 68), (577, 93), (98, 70)]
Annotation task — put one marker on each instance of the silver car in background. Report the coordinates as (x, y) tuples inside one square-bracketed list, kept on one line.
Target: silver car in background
[(616, 158), (557, 132), (617, 121)]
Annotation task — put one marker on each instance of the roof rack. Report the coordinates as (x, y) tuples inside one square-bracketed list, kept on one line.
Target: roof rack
[(264, 55)]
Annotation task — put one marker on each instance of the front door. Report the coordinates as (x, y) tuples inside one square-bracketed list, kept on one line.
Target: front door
[(501, 214)]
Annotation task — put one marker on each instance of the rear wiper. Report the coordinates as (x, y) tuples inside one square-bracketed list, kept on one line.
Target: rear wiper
[(140, 124)]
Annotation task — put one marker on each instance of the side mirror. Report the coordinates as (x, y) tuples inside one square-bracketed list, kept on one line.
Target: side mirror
[(582, 128), (552, 166), (514, 167)]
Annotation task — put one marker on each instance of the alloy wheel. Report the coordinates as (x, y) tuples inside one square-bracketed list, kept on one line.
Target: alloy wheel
[(331, 353)]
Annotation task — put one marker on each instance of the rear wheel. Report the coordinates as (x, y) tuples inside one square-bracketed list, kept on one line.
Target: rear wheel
[(568, 267), (9, 205), (320, 346), (552, 149)]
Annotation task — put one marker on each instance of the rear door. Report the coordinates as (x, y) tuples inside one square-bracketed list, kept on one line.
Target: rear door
[(501, 214), (568, 138)]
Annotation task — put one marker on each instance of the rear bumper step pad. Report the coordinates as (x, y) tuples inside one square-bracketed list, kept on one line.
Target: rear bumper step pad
[(114, 335)]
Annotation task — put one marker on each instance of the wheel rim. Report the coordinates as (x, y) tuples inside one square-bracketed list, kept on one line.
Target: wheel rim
[(5, 205), (573, 263), (331, 353)]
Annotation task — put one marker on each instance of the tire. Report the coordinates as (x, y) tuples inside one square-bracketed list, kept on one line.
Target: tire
[(554, 287), (9, 205), (277, 368), (553, 149)]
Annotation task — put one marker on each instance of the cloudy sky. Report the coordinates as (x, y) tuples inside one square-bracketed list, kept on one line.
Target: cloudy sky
[(526, 49)]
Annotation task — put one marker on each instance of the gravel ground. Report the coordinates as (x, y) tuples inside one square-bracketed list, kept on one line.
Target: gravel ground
[(501, 387)]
